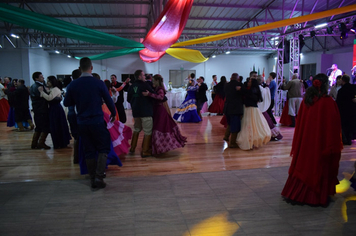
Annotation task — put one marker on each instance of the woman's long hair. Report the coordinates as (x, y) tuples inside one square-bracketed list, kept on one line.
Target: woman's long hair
[(53, 80), (317, 90), (256, 89), (159, 78), (223, 80)]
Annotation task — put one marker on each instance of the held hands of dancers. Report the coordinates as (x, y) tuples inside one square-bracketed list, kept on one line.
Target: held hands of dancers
[(112, 118), (145, 93)]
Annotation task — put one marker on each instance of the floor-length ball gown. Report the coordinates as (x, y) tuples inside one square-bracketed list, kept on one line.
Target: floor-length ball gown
[(187, 111), (58, 124), (166, 135)]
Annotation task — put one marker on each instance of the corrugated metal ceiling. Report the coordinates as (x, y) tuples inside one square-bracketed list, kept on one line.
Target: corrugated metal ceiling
[(133, 19)]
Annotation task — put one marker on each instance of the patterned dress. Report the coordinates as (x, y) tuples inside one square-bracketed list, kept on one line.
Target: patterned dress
[(165, 132), (187, 111)]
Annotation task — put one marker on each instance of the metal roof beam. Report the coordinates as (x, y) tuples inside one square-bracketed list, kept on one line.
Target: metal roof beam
[(228, 19), (146, 2), (97, 16), (220, 29), (246, 6)]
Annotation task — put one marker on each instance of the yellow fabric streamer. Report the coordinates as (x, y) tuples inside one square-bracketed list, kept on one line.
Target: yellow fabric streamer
[(269, 26), (185, 54)]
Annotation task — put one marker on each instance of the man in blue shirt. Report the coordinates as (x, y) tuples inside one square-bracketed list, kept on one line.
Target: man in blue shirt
[(272, 87), (310, 81), (87, 93)]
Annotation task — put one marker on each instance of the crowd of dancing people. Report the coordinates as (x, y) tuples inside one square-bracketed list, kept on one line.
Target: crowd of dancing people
[(323, 118)]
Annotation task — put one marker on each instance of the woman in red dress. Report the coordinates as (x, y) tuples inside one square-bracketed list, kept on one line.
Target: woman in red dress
[(316, 148), (219, 101)]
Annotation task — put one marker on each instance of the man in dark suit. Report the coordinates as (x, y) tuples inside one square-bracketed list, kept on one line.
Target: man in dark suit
[(201, 95), (233, 109), (120, 87), (41, 113), (346, 101)]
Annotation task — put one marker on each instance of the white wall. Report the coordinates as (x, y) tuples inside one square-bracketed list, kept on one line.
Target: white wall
[(15, 64), (21, 63), (39, 60), (128, 64)]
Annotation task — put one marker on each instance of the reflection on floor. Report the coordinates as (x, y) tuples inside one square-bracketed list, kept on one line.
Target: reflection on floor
[(201, 189)]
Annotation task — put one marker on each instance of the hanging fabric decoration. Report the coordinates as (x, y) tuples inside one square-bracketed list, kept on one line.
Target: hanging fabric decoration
[(115, 53), (185, 54), (149, 56), (169, 25), (265, 27), (33, 20), (166, 29)]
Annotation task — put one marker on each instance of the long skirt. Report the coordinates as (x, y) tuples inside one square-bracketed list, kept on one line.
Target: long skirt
[(285, 118), (275, 133), (255, 131), (4, 109), (218, 105), (166, 135)]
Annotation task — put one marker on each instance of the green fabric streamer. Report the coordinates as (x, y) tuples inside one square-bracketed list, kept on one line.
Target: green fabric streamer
[(115, 53), (51, 25)]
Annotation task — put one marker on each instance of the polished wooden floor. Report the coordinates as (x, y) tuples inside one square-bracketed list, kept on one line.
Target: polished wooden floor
[(204, 152)]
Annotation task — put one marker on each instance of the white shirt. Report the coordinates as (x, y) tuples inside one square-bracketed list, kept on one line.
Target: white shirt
[(333, 75)]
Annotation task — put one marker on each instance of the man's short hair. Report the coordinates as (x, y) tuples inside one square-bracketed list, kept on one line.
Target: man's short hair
[(76, 74), (36, 75), (346, 79), (137, 74), (253, 72), (214, 76), (201, 77), (85, 64), (21, 81), (113, 75), (234, 76), (273, 75), (192, 75)]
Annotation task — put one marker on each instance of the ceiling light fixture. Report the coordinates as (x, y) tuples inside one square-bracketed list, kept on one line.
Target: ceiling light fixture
[(321, 25), (40, 45), (56, 52), (353, 28), (15, 36), (228, 52), (69, 56), (213, 56)]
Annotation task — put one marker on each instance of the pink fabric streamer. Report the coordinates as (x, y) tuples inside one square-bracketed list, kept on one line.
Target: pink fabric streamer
[(149, 56), (166, 30)]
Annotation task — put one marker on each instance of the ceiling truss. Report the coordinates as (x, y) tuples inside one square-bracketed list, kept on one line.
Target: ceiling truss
[(264, 41)]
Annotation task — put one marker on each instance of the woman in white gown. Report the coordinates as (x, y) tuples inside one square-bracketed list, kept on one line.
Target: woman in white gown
[(255, 131)]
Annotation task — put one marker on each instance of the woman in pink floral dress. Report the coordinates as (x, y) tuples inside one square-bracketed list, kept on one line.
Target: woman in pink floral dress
[(165, 133)]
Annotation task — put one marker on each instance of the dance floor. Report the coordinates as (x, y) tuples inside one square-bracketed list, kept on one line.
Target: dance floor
[(202, 189), (205, 152)]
